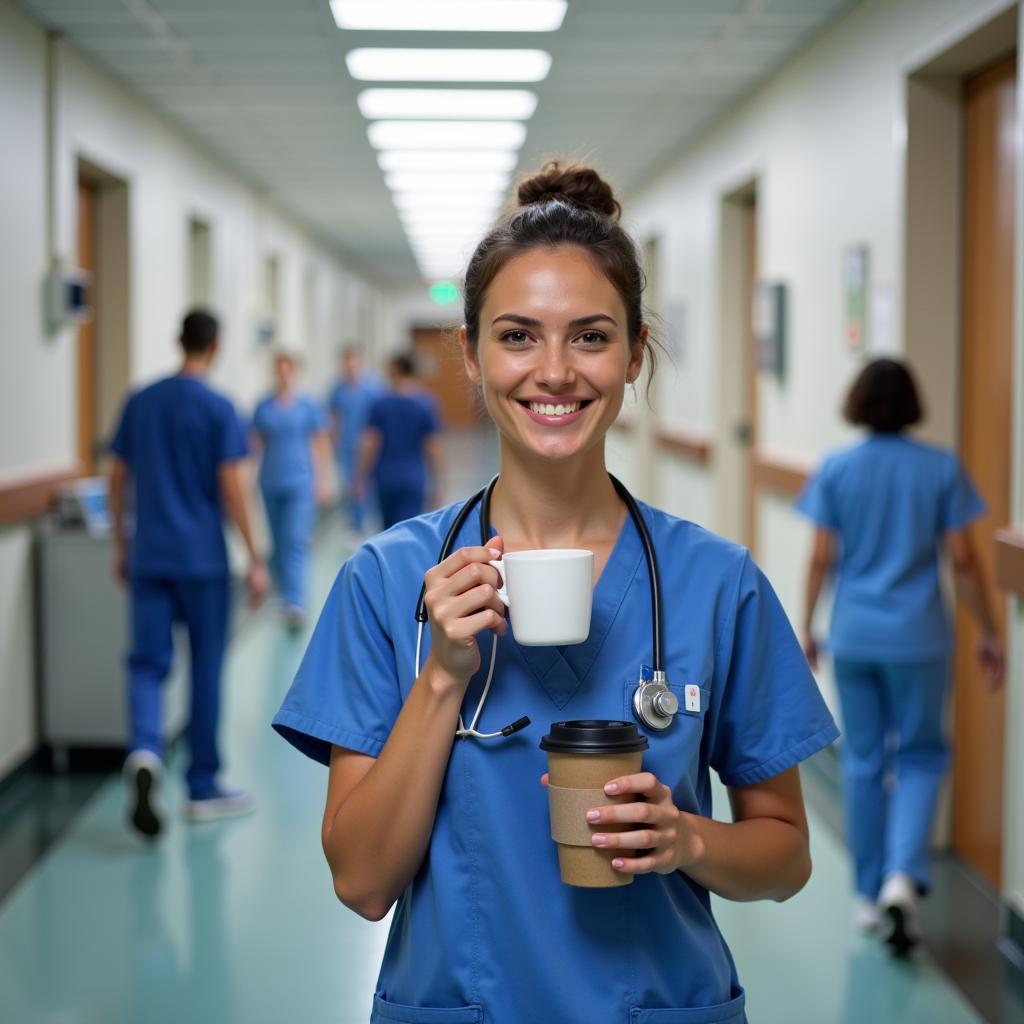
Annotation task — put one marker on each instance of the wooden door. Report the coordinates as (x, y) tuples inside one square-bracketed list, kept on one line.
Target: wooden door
[(439, 363), (990, 119), (87, 332)]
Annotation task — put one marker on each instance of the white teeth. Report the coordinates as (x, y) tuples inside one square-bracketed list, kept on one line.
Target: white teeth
[(547, 409)]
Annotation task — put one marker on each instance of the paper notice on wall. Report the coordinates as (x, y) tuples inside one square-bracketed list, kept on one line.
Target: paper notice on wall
[(882, 338)]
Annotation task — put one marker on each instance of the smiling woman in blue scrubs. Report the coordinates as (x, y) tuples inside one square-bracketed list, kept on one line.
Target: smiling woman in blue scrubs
[(291, 432), (885, 509), (453, 833)]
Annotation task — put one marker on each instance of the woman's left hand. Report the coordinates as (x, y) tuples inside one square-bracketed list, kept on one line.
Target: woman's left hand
[(665, 835)]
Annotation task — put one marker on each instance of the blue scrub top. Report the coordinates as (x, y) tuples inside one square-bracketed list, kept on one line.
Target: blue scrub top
[(487, 927), (890, 500), (351, 403), (174, 435), (286, 430), (404, 422)]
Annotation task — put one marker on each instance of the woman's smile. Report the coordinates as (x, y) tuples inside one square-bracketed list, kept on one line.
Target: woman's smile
[(554, 410)]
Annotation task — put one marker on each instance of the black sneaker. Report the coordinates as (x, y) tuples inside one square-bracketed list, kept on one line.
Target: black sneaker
[(143, 773)]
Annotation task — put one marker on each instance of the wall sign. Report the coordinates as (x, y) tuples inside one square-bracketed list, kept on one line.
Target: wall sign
[(770, 326)]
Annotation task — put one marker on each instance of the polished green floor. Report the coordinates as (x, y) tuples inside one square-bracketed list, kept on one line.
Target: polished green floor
[(235, 922)]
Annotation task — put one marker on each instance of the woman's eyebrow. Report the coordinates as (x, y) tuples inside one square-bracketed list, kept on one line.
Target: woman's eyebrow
[(580, 321)]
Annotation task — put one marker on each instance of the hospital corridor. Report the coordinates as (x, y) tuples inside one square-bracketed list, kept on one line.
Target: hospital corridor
[(511, 512)]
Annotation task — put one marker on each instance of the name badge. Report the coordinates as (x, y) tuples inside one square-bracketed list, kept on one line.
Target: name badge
[(692, 698)]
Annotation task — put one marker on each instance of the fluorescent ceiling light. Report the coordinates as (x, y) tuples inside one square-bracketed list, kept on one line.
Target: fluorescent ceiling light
[(489, 104), (448, 160), (479, 182), (450, 15), (380, 65), (446, 134), (449, 198)]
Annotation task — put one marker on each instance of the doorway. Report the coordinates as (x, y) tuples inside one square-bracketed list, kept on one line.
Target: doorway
[(439, 364), (737, 405), (104, 342), (986, 413)]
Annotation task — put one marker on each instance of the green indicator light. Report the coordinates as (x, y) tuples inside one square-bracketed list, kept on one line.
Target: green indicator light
[(444, 293)]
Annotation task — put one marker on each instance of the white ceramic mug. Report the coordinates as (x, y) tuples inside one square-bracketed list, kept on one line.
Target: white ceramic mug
[(548, 592)]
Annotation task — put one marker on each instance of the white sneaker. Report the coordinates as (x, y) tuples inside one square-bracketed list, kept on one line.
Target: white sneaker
[(225, 803), (866, 916), (898, 903), (143, 773)]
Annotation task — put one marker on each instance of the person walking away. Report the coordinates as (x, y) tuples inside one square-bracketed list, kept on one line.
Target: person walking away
[(885, 509), (180, 445), (349, 403), (400, 446), (290, 429)]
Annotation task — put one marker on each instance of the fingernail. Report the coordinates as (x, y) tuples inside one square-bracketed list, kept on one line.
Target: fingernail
[(494, 552), (599, 840), (593, 815), (612, 787), (618, 862)]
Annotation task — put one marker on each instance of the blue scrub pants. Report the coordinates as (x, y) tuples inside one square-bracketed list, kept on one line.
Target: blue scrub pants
[(203, 605), (291, 516), (894, 756), (400, 502), (355, 507)]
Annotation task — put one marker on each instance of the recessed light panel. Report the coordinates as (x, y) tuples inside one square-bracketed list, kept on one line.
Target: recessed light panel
[(418, 65), (447, 134), (489, 104), (450, 15)]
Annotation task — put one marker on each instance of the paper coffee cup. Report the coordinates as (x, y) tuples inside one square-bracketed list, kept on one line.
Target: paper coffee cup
[(582, 757)]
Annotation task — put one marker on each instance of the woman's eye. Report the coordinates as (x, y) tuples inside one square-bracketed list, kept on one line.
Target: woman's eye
[(592, 338), (516, 337)]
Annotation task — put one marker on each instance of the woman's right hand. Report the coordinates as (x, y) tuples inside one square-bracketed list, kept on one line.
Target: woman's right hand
[(462, 601)]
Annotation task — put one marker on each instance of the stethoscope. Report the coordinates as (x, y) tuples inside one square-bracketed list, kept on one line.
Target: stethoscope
[(654, 704)]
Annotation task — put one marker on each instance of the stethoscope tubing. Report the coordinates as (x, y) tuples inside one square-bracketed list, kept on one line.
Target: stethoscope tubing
[(483, 497)]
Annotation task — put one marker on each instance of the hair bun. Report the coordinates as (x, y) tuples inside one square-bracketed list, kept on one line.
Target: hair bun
[(573, 183)]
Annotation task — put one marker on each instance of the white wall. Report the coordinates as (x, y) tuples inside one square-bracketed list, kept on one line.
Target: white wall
[(169, 180), (825, 142)]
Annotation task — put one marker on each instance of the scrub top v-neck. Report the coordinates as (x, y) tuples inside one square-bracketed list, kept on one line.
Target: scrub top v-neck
[(487, 931)]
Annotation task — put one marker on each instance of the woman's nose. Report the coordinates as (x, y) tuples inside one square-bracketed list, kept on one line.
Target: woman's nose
[(555, 369)]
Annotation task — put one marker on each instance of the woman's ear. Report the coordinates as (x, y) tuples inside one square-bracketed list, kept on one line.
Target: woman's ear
[(636, 356), (469, 356)]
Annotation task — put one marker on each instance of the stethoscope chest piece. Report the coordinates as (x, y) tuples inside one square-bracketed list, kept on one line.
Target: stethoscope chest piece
[(654, 704)]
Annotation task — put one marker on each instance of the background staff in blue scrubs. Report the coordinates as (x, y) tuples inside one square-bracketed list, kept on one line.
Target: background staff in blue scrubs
[(885, 509), (181, 444), (349, 404), (455, 832), (291, 432), (399, 448)]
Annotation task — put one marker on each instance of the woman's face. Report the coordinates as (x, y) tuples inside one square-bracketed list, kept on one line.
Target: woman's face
[(553, 356), (284, 372)]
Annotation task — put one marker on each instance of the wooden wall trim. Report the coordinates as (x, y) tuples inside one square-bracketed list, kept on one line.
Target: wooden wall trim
[(782, 476), (694, 447), (32, 495), (1010, 560)]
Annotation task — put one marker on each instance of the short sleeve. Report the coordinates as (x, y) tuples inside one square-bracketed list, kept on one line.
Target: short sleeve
[(960, 503), (346, 691), (375, 417), (123, 444), (433, 417), (768, 713), (317, 416), (232, 445), (816, 501)]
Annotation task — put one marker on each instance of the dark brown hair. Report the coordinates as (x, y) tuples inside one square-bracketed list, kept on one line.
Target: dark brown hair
[(561, 205), (884, 398), (198, 331)]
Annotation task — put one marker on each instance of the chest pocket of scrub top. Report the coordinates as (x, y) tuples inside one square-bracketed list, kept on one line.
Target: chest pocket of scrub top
[(674, 753), (725, 1013), (386, 1012)]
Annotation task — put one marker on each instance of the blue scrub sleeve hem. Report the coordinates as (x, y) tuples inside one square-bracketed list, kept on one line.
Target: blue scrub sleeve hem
[(314, 738), (787, 759)]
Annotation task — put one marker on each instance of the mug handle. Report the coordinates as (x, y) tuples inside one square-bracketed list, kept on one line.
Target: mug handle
[(503, 590)]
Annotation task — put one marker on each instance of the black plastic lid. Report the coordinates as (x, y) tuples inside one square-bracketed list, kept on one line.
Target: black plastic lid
[(594, 736)]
